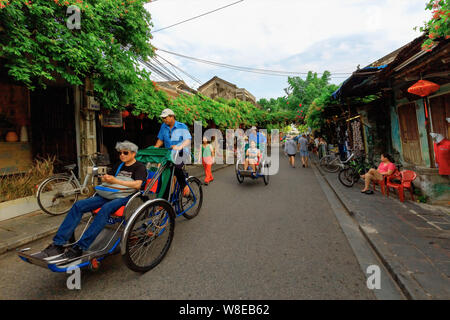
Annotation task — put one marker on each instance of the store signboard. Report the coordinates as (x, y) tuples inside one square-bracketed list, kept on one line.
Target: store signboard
[(113, 119)]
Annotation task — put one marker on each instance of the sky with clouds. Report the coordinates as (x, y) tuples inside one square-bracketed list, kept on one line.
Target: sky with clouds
[(290, 35)]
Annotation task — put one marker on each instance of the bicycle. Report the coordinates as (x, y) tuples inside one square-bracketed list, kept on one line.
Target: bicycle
[(332, 162), (351, 173), (56, 194), (158, 215)]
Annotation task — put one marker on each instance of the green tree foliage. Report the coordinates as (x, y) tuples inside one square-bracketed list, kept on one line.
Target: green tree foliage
[(438, 27), (38, 46), (314, 114), (301, 93)]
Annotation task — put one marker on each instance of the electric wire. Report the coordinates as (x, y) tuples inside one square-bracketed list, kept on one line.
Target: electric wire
[(190, 19), (166, 69), (181, 70), (157, 70), (252, 70)]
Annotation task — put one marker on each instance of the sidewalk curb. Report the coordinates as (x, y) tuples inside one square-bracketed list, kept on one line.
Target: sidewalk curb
[(408, 286), (14, 244), (47, 230)]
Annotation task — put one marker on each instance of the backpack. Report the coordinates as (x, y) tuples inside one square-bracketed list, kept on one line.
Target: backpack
[(115, 191)]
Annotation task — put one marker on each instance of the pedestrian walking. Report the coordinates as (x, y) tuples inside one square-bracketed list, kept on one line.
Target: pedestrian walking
[(290, 149), (322, 148), (208, 155), (303, 148)]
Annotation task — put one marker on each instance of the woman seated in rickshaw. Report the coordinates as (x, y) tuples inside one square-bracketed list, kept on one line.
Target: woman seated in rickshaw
[(253, 154)]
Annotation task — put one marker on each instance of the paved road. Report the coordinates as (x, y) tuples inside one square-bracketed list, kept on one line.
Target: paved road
[(250, 241)]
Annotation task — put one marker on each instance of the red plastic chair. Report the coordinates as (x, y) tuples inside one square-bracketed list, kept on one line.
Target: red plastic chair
[(382, 182), (407, 177)]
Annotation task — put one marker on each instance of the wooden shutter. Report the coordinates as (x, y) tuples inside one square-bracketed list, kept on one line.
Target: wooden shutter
[(410, 133), (440, 110)]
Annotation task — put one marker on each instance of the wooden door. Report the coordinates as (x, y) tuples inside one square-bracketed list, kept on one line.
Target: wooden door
[(410, 133), (440, 111), (53, 124)]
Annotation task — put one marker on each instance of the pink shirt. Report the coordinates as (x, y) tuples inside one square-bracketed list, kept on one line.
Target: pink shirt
[(385, 167)]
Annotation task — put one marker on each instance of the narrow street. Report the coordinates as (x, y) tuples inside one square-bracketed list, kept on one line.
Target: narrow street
[(250, 241)]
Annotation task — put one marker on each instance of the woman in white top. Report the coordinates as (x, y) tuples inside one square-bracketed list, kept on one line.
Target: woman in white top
[(252, 156)]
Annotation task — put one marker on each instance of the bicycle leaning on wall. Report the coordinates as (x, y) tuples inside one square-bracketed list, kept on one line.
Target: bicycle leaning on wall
[(56, 194)]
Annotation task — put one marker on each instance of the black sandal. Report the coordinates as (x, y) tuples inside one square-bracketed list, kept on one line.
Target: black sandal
[(368, 192)]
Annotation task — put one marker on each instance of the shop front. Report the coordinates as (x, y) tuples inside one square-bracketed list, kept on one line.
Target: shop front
[(15, 146)]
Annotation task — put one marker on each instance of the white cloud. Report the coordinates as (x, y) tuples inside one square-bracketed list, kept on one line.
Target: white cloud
[(268, 33)]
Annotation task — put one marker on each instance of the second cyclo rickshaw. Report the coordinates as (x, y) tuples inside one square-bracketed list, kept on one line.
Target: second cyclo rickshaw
[(262, 167), (143, 229)]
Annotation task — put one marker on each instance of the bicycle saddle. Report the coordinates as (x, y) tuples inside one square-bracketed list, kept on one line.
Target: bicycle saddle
[(70, 167)]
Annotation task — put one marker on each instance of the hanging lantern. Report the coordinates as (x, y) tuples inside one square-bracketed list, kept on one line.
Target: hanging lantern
[(424, 88), (125, 114), (141, 117)]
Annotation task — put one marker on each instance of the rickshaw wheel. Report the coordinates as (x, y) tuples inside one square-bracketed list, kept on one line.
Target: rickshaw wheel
[(150, 236), (266, 174), (240, 178), (196, 187)]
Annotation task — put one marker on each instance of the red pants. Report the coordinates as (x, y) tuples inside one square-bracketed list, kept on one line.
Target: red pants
[(207, 164)]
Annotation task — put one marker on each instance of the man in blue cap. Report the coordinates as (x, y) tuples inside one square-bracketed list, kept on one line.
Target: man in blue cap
[(175, 135)]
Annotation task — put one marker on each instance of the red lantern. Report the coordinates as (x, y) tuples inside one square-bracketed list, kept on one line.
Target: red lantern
[(423, 88), (125, 114), (141, 117)]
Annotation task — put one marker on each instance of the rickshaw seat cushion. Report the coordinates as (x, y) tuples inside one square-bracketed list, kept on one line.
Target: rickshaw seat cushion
[(154, 189), (118, 213)]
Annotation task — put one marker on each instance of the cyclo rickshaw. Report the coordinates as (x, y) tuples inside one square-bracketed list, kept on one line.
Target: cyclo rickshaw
[(262, 167), (143, 229)]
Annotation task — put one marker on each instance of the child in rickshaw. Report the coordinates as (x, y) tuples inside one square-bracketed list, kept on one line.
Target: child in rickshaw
[(253, 154)]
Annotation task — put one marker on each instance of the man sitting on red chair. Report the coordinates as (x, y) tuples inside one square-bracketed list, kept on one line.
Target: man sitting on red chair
[(386, 168), (129, 167)]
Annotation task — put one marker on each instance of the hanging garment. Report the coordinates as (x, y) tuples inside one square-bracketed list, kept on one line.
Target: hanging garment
[(358, 143)]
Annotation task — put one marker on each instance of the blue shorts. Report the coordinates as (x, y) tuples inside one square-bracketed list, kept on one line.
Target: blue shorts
[(304, 153)]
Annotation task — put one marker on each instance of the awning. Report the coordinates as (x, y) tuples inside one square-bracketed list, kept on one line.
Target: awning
[(358, 78)]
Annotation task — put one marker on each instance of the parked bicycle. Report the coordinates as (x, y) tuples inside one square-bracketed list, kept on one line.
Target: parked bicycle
[(352, 171), (332, 162), (56, 194)]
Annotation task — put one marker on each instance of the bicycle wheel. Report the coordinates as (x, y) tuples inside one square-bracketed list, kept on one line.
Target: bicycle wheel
[(56, 195), (193, 202), (346, 177), (332, 166), (149, 236), (323, 162)]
